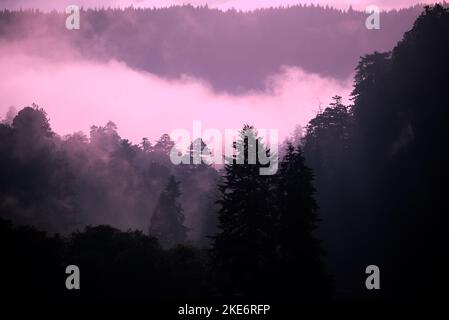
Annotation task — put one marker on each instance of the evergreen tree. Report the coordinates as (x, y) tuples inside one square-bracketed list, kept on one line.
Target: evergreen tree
[(146, 145), (301, 271), (168, 217), (243, 248), (164, 145), (197, 152), (327, 149), (328, 138)]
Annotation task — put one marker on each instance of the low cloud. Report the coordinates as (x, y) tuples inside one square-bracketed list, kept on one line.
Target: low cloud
[(79, 93)]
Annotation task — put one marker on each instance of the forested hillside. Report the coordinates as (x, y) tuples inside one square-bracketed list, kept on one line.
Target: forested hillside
[(233, 51), (366, 186)]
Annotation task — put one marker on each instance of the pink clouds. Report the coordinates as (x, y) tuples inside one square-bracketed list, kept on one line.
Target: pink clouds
[(80, 93)]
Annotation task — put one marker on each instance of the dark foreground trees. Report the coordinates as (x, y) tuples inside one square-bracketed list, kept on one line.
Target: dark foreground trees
[(244, 247), (382, 187), (265, 246), (301, 272), (113, 265)]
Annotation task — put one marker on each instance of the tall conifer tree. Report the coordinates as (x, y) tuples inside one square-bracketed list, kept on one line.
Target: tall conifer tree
[(168, 217)]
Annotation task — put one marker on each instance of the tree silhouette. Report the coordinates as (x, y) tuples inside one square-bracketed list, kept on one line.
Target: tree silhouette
[(243, 249), (301, 271), (380, 189), (34, 263), (146, 145), (197, 151), (164, 145), (32, 122), (168, 218)]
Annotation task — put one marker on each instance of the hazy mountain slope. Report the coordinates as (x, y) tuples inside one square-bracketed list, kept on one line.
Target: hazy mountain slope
[(233, 51)]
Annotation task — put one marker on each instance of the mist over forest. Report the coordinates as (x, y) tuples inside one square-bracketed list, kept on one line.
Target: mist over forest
[(365, 183), (136, 66), (65, 183), (235, 53)]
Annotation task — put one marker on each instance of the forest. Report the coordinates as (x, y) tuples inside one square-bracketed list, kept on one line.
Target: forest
[(233, 51), (367, 184)]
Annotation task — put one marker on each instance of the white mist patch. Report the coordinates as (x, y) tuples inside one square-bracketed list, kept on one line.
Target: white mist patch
[(79, 93)]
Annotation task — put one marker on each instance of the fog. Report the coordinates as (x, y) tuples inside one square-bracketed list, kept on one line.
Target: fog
[(78, 93)]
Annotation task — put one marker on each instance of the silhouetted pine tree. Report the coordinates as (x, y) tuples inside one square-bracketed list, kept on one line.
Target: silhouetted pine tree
[(168, 218), (164, 145), (196, 150), (146, 145), (301, 271), (243, 248)]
